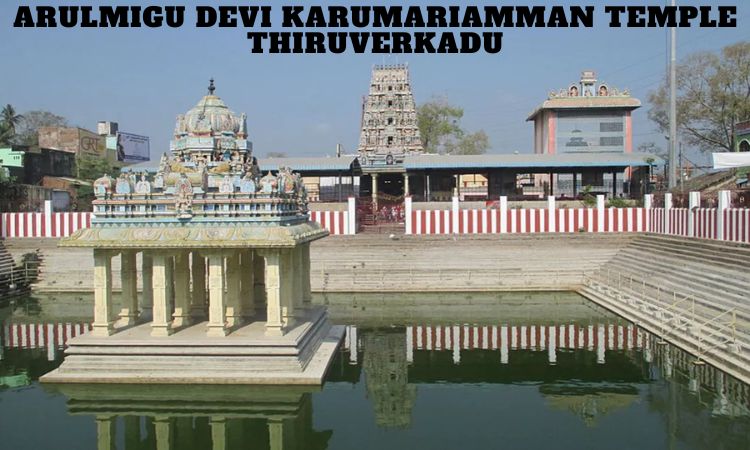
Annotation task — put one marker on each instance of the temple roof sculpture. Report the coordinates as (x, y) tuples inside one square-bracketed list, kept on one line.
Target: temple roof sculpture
[(209, 177)]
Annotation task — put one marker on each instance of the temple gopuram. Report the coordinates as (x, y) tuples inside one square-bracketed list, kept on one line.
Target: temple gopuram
[(223, 255)]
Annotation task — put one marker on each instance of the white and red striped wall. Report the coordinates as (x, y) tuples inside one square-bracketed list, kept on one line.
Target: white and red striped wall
[(41, 225), (503, 338), (50, 336), (56, 225), (732, 224)]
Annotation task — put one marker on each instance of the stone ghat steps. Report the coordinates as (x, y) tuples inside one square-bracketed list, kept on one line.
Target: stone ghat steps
[(726, 289), (718, 355), (705, 308), (695, 250)]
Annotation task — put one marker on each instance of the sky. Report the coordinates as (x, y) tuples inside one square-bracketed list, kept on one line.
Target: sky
[(303, 105)]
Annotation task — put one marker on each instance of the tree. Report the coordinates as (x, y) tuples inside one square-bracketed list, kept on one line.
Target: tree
[(9, 118), (441, 132), (470, 144), (713, 95), (28, 127)]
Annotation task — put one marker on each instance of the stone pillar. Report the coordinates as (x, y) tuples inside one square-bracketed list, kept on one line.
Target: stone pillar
[(406, 185), (162, 282), (374, 177), (216, 298), (288, 287), (247, 283), (274, 320), (198, 296), (304, 251), (105, 432), (164, 433), (104, 316), (279, 434), (129, 281), (219, 433), (147, 271), (296, 262), (234, 285), (259, 290), (182, 290)]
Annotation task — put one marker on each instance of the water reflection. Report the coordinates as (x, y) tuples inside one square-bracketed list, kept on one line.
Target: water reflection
[(166, 417), (590, 376)]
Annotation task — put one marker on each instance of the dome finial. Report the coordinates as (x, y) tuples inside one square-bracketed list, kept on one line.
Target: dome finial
[(211, 87)]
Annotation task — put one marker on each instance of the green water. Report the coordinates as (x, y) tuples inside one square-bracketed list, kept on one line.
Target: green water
[(465, 371)]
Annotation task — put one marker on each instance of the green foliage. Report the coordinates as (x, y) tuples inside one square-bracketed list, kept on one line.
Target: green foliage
[(11, 193), (441, 131), (471, 144), (617, 202), (713, 95), (587, 197)]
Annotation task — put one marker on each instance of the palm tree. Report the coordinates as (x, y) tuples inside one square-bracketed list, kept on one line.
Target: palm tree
[(10, 118)]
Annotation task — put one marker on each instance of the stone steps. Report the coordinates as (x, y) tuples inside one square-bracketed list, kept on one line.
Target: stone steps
[(727, 359), (683, 280)]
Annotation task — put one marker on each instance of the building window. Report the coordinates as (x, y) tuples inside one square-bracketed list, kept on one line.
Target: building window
[(610, 141), (390, 141), (390, 121), (390, 103), (610, 127), (744, 146)]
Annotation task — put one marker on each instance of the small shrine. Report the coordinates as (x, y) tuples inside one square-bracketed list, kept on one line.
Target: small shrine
[(223, 255)]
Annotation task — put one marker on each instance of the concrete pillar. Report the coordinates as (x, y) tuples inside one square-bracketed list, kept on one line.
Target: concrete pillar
[(455, 212), (406, 184), (218, 433), (182, 294), (551, 211), (129, 282), (725, 199), (504, 214), (274, 321), (147, 295), (104, 316), (162, 281), (428, 196), (667, 208), (305, 275), (164, 433), (234, 285), (600, 213), (352, 221), (247, 283), (198, 296), (694, 201), (105, 432), (216, 298), (407, 213), (575, 185)]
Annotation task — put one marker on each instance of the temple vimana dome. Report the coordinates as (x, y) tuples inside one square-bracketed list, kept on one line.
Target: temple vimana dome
[(223, 254)]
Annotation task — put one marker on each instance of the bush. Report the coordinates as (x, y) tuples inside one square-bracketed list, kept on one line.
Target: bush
[(617, 202)]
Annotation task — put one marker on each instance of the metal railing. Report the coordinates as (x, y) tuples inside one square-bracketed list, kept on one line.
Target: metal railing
[(675, 314), (18, 276)]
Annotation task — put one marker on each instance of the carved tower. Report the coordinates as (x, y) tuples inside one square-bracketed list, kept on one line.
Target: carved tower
[(389, 118)]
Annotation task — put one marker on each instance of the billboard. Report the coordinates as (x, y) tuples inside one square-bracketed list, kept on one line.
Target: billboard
[(132, 147)]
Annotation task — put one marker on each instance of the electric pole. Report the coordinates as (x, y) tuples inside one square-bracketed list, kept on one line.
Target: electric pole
[(672, 178)]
